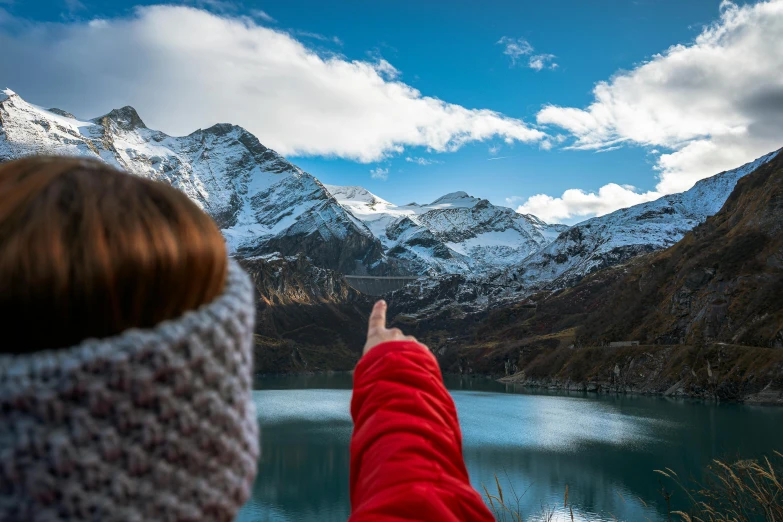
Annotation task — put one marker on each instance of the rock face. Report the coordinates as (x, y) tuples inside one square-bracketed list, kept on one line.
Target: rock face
[(723, 282), (617, 237), (719, 372), (707, 311), (455, 234), (262, 203), (307, 318)]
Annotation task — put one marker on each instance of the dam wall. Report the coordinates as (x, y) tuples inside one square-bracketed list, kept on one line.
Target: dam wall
[(377, 286)]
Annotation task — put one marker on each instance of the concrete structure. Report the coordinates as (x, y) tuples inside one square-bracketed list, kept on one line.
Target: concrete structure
[(617, 344), (373, 285)]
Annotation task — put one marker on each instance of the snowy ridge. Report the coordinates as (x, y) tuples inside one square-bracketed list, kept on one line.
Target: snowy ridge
[(455, 234), (264, 205), (261, 202), (614, 238)]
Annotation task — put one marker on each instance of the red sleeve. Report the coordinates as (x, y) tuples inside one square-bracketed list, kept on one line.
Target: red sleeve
[(406, 449)]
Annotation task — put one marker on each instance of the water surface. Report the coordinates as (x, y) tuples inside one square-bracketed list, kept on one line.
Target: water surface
[(604, 448)]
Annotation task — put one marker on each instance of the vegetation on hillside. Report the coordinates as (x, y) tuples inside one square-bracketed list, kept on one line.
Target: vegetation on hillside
[(708, 312)]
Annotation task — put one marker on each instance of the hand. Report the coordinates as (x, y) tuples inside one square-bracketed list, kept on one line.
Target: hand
[(377, 332)]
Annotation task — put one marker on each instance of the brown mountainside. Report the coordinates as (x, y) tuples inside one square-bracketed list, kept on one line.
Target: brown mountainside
[(722, 282), (708, 313)]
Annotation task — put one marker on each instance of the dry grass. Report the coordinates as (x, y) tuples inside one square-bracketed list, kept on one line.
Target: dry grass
[(745, 491), (508, 509)]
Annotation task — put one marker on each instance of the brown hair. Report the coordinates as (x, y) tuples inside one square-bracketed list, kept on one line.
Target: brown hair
[(87, 251)]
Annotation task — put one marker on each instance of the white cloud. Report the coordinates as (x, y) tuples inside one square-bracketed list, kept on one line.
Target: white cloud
[(578, 203), (385, 69), (702, 107), (263, 15), (184, 68), (318, 36), (379, 173), (516, 48), (422, 161), (494, 149), (542, 61)]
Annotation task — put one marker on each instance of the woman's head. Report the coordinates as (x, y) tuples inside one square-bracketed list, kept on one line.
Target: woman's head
[(87, 251), (150, 424)]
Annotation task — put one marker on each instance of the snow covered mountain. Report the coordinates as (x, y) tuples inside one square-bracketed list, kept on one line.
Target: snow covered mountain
[(455, 234), (626, 233), (262, 203)]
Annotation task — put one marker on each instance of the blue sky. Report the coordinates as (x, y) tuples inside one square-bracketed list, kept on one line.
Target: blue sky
[(462, 53)]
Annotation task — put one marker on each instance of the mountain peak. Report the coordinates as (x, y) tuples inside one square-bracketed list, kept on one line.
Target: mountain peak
[(355, 194), (126, 118), (5, 94), (459, 198), (221, 129)]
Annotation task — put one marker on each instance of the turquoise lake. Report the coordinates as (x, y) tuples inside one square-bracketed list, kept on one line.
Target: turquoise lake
[(604, 448)]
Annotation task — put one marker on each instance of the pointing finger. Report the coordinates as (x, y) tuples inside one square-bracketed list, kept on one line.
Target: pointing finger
[(378, 315)]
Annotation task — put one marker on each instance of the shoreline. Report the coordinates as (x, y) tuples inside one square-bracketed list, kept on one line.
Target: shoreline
[(715, 372), (768, 396)]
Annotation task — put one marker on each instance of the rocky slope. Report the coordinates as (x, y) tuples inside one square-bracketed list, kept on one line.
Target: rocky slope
[(707, 311), (722, 372), (723, 282), (617, 237), (455, 234), (263, 203), (307, 318), (583, 249)]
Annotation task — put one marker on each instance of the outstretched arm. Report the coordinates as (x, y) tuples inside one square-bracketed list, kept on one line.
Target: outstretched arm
[(406, 449)]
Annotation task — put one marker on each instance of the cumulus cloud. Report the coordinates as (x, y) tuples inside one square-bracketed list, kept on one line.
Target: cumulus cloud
[(575, 203), (422, 161), (702, 107), (379, 173), (185, 68), (520, 51)]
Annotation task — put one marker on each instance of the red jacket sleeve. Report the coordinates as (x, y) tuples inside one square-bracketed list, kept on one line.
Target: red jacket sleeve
[(406, 449)]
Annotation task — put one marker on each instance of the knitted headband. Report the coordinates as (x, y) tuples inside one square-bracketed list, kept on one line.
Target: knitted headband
[(153, 424)]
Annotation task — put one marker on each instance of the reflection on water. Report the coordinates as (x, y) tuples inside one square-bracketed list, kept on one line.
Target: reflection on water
[(604, 448)]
